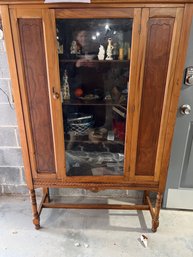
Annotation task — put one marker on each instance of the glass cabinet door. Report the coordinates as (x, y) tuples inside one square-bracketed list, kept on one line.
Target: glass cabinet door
[(94, 62)]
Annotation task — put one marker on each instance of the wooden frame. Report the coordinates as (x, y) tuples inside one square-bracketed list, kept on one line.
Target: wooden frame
[(134, 73), (12, 10)]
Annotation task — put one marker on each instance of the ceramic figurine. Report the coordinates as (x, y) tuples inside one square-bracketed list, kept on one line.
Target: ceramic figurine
[(65, 87), (109, 50), (101, 54), (74, 47)]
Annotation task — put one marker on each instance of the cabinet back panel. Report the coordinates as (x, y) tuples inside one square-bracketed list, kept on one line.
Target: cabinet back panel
[(32, 46), (156, 64)]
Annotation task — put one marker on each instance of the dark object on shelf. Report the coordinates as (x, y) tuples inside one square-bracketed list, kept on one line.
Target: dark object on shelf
[(97, 135), (119, 110), (80, 123), (119, 129)]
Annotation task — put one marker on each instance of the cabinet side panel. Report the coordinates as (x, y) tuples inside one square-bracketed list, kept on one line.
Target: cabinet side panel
[(32, 46), (155, 73)]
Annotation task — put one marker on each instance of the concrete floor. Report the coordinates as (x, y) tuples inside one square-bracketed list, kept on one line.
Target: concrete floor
[(100, 233)]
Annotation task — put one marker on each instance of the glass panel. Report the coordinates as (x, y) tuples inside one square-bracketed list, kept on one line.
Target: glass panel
[(94, 61)]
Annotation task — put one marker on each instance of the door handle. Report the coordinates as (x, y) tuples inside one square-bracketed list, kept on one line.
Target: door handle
[(185, 109)]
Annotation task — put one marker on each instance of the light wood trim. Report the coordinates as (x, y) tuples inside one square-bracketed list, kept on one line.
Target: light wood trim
[(95, 13), (159, 12), (22, 84), (138, 91), (16, 94), (165, 2), (168, 90), (28, 13), (96, 5), (131, 87), (54, 82), (143, 178), (16, 38), (184, 37), (96, 206)]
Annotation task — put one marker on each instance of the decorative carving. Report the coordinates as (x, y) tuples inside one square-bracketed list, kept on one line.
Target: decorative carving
[(38, 183), (36, 220)]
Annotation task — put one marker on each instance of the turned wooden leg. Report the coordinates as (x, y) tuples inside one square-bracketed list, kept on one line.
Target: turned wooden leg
[(46, 191), (36, 219), (146, 193), (155, 220)]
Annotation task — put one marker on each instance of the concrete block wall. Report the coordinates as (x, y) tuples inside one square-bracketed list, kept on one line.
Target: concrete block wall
[(11, 165), (12, 179)]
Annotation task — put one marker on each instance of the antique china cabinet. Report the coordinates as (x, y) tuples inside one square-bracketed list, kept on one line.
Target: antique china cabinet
[(96, 89)]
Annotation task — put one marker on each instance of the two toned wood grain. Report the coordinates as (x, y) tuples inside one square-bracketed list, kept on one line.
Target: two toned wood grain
[(33, 53), (160, 32)]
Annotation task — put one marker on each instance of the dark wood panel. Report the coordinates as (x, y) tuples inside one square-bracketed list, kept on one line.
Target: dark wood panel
[(155, 73), (32, 44)]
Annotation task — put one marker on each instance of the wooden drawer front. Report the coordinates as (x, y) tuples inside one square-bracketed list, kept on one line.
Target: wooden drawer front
[(32, 46), (156, 64)]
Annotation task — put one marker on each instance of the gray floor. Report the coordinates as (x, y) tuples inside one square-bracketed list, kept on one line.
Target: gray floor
[(99, 232)]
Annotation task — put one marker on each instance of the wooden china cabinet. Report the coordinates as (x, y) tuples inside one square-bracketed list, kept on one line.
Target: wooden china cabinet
[(96, 88)]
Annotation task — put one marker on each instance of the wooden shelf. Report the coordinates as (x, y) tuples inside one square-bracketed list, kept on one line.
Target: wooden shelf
[(94, 61), (92, 142), (92, 102)]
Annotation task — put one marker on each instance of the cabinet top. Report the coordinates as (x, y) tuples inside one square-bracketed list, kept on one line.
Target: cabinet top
[(101, 2)]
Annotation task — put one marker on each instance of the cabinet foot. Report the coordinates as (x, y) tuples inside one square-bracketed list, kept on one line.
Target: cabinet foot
[(36, 219), (155, 219)]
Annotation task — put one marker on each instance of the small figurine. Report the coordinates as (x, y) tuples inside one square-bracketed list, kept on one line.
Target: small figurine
[(101, 54), (74, 47), (109, 50), (65, 87)]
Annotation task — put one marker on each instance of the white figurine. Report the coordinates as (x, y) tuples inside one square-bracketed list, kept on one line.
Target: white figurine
[(109, 50), (101, 54), (74, 47), (65, 87)]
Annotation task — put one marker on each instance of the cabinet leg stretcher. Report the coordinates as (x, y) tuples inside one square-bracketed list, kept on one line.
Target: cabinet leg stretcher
[(46, 203)]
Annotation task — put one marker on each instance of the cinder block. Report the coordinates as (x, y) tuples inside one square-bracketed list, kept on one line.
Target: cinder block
[(7, 115), (5, 91), (107, 193), (12, 189), (10, 157), (8, 136), (2, 49), (67, 192), (3, 60), (10, 91), (22, 172), (18, 136), (10, 176)]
